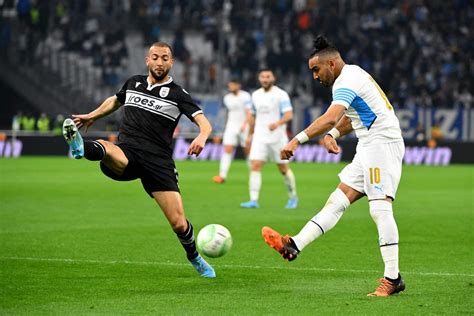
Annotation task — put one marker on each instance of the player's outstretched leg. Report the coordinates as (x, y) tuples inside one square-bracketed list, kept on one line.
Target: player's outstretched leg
[(388, 287), (283, 244), (171, 204), (90, 149), (188, 242), (73, 138)]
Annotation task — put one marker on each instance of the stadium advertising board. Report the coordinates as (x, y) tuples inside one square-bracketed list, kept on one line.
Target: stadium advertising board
[(446, 153)]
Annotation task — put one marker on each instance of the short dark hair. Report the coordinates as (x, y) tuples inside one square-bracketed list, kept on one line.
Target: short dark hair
[(162, 44), (235, 80), (322, 45), (264, 69)]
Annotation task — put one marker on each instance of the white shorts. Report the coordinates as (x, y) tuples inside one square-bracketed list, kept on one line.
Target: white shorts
[(375, 170), (235, 138), (267, 152)]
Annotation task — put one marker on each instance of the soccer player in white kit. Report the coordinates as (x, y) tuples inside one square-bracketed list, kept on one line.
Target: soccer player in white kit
[(271, 110), (238, 103), (358, 104)]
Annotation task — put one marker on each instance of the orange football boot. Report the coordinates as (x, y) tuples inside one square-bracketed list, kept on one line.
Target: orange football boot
[(387, 287), (283, 244), (218, 179)]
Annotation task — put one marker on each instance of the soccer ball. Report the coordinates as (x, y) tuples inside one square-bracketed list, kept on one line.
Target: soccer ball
[(214, 240)]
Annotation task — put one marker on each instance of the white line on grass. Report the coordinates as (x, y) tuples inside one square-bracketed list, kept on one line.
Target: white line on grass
[(235, 266)]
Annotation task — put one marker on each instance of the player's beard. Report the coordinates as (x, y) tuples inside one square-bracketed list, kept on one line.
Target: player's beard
[(324, 83), (159, 76), (267, 86)]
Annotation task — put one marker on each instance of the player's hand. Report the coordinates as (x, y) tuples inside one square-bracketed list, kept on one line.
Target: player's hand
[(82, 120), (289, 150), (197, 146), (273, 126), (330, 144)]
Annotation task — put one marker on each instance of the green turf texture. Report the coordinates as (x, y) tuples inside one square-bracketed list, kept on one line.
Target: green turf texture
[(75, 242)]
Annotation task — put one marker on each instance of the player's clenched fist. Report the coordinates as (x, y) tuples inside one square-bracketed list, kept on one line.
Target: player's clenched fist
[(330, 144), (289, 150)]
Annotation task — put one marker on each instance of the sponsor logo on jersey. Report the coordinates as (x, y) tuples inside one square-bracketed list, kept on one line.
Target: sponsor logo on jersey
[(152, 104), (164, 92), (137, 84)]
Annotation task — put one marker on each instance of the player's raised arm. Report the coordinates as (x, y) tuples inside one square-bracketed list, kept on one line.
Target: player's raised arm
[(343, 127), (108, 106), (205, 130), (321, 125)]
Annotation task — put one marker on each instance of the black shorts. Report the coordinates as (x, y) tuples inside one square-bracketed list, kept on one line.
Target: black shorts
[(156, 173)]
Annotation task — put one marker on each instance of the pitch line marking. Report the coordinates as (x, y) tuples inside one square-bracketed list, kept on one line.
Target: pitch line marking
[(237, 266)]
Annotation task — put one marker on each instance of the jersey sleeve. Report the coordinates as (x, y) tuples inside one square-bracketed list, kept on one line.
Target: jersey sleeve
[(345, 91), (248, 104), (252, 108), (187, 106), (285, 103), (121, 94)]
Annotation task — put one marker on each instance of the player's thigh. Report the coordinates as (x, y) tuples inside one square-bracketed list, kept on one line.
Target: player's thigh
[(382, 165), (171, 204), (115, 158), (230, 138), (353, 174), (242, 138), (258, 151), (274, 152)]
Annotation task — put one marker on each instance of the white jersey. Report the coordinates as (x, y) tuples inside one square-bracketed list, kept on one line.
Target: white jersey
[(268, 107), (236, 110), (372, 115)]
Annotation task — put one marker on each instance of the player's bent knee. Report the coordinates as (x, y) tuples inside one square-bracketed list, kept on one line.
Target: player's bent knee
[(283, 168), (256, 165), (380, 208), (179, 225)]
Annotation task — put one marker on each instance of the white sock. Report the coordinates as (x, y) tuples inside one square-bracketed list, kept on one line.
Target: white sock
[(326, 219), (382, 214), (290, 182), (255, 182), (226, 160)]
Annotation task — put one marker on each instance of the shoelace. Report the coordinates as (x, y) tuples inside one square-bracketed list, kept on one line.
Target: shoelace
[(385, 286)]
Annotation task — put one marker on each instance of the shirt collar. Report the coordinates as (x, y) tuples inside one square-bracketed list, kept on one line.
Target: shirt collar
[(151, 87)]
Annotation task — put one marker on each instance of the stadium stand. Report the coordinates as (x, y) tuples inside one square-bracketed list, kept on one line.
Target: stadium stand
[(75, 52)]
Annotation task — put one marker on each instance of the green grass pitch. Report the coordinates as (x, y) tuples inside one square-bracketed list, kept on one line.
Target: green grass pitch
[(75, 242)]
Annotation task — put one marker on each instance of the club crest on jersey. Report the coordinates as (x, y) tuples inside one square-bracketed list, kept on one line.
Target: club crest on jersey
[(164, 92)]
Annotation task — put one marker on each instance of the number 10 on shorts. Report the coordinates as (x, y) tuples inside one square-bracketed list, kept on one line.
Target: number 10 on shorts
[(374, 175)]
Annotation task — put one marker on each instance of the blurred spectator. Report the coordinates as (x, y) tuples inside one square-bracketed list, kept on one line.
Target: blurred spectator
[(28, 122), (437, 132), (420, 133), (43, 123), (16, 121), (418, 51), (58, 124)]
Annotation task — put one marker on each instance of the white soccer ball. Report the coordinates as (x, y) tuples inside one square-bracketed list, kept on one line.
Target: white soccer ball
[(214, 240)]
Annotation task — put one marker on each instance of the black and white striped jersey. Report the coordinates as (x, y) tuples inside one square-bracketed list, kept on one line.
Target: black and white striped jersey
[(151, 113)]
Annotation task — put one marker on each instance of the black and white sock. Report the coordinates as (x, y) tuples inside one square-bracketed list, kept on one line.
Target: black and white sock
[(93, 150), (187, 240)]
